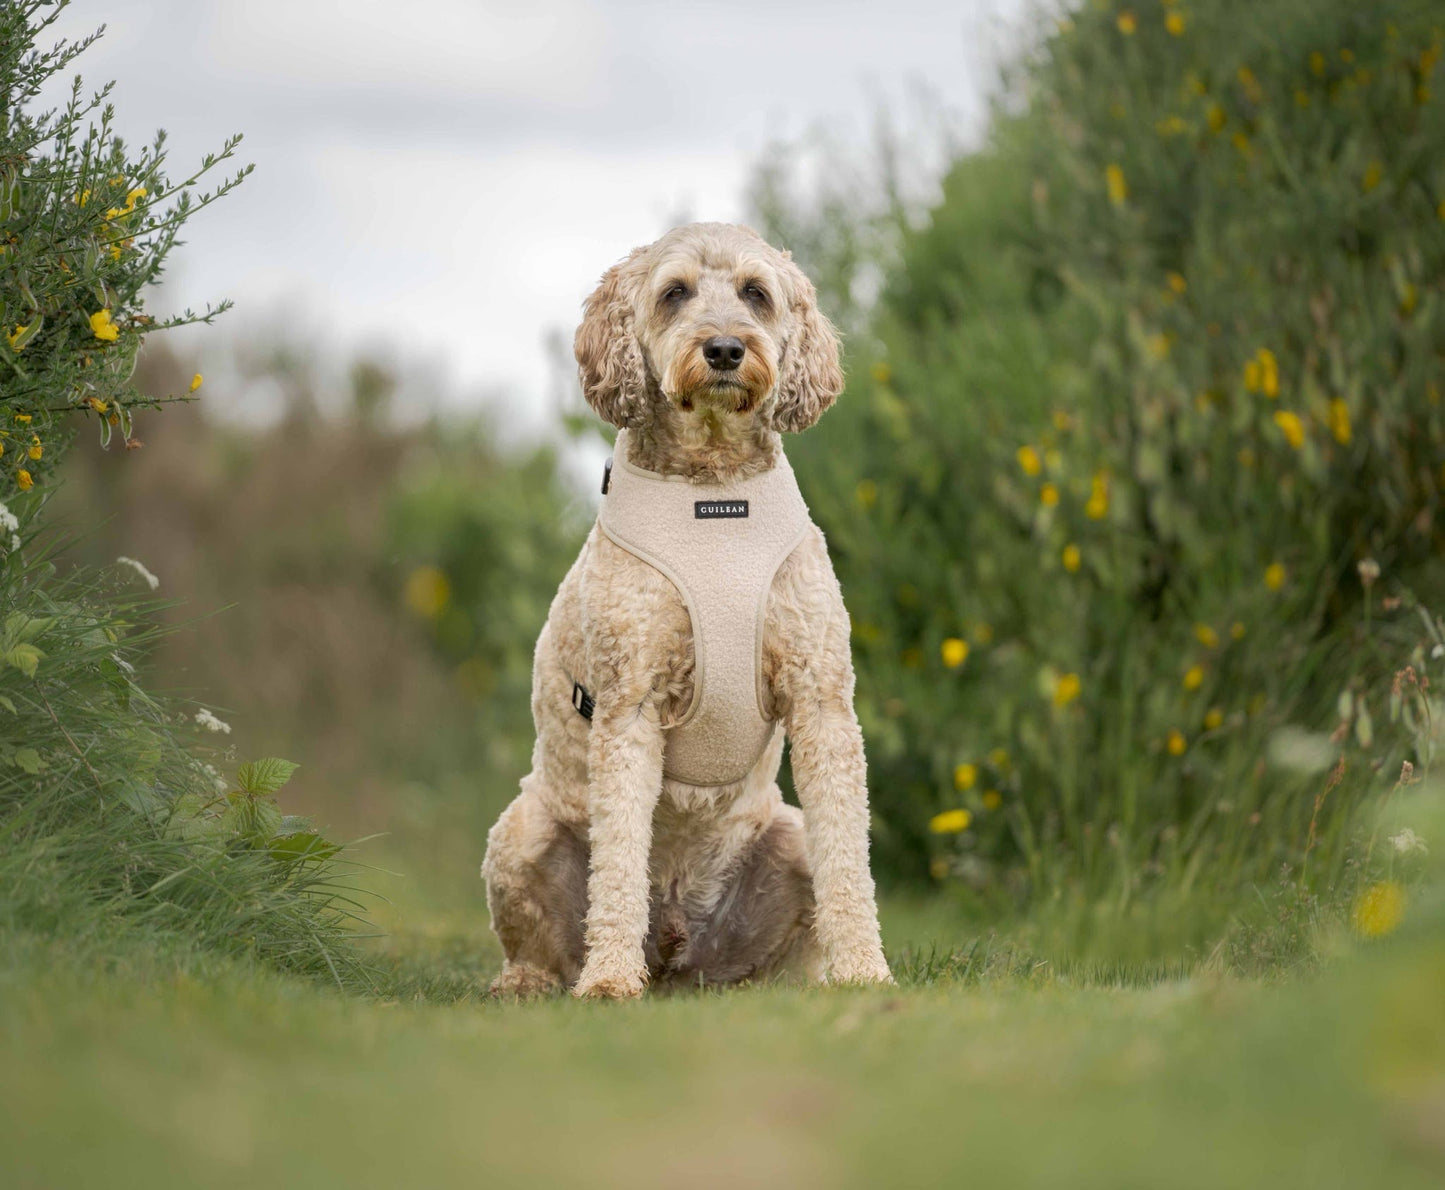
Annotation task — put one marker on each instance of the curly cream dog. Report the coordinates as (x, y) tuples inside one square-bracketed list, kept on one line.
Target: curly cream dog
[(606, 874)]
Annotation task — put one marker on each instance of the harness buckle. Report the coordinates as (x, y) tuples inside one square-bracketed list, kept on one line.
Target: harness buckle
[(582, 701)]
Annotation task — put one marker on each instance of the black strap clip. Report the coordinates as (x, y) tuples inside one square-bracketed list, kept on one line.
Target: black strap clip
[(582, 701), (606, 476)]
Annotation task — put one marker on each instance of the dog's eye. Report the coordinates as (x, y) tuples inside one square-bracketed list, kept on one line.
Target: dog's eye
[(755, 293), (674, 293)]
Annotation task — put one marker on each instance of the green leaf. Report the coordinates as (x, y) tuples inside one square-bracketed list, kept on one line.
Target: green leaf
[(25, 658), (8, 705), (265, 776), (302, 845), (29, 760)]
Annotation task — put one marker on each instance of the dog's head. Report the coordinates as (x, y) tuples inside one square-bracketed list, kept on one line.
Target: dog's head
[(709, 319)]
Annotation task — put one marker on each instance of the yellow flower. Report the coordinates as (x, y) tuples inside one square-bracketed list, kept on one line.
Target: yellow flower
[(102, 327), (1176, 743), (1171, 126), (1215, 117), (1347, 55), (1236, 631), (1066, 689), (955, 652), (1194, 677), (1062, 421), (130, 199), (1409, 299), (1374, 172), (1159, 346), (1274, 576), (1127, 23), (992, 799), (427, 592), (1250, 84), (1029, 460), (1049, 496), (195, 382), (1206, 636), (1072, 559), (1097, 507), (998, 758), (14, 339), (1118, 188), (1317, 64), (1241, 142), (1340, 421), (1292, 427), (866, 493), (36, 450), (880, 371), (22, 477), (1174, 22), (965, 776), (1252, 376), (1301, 97), (1379, 909), (1213, 719), (1268, 373), (1177, 283), (950, 822)]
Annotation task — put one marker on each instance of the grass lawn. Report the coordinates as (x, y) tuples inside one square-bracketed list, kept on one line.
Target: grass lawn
[(125, 1073)]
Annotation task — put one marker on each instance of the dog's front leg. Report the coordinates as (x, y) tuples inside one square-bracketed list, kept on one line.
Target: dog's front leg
[(624, 766), (831, 778)]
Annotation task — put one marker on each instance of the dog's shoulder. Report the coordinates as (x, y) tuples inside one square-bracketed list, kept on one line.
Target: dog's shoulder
[(630, 615)]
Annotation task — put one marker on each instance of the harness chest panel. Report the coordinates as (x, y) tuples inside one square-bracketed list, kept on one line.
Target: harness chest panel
[(720, 546)]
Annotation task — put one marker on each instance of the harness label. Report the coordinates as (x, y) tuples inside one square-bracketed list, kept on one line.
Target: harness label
[(706, 510)]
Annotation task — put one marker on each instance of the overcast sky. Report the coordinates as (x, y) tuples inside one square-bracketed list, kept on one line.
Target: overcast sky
[(445, 180)]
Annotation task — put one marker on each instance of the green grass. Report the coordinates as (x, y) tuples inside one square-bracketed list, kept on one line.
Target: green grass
[(153, 1069)]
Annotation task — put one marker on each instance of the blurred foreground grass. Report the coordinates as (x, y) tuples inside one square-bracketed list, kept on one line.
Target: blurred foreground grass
[(125, 1074)]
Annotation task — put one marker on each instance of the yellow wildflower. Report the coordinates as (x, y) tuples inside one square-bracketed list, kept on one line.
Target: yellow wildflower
[(1062, 421), (1293, 428), (1409, 299), (1159, 346), (130, 199), (1379, 909), (1347, 55), (1029, 460), (1241, 142), (1215, 117), (1177, 283), (1066, 689), (866, 493), (1097, 507), (1072, 559), (1213, 719), (1317, 64), (1252, 376), (1171, 126), (1274, 576), (1194, 677), (1250, 84), (23, 418), (15, 338), (1340, 421), (1206, 636), (195, 382), (102, 327), (1236, 631), (1268, 373), (998, 758), (23, 478), (1114, 180), (955, 652), (880, 371), (1127, 23), (1176, 743), (950, 822), (992, 799), (1374, 172), (427, 591), (1049, 495), (1174, 22), (965, 777), (36, 450), (1301, 97)]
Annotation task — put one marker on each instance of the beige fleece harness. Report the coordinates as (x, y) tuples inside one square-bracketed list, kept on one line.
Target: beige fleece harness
[(720, 546)]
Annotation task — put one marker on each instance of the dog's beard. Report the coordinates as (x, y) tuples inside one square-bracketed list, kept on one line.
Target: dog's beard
[(690, 382)]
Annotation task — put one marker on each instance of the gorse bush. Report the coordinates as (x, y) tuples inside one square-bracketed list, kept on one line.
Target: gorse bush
[(109, 824), (1144, 452), (85, 226)]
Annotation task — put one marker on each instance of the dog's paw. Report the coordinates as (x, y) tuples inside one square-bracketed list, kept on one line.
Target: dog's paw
[(522, 981), (871, 969), (600, 986)]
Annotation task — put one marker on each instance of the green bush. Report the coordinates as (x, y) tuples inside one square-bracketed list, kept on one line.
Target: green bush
[(1144, 452)]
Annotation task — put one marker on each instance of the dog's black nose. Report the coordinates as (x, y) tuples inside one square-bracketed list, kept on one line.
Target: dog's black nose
[(724, 352)]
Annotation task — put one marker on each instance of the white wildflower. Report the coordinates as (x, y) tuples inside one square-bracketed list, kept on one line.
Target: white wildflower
[(8, 520), (210, 722), (14, 541), (1408, 841), (216, 779), (140, 568)]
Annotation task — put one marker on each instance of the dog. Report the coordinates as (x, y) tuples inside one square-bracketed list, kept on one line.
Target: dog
[(650, 844)]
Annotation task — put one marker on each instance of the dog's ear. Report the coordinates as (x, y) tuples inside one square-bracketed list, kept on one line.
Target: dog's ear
[(609, 359), (811, 377)]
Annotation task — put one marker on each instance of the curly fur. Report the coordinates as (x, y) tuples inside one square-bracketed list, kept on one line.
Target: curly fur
[(602, 875)]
